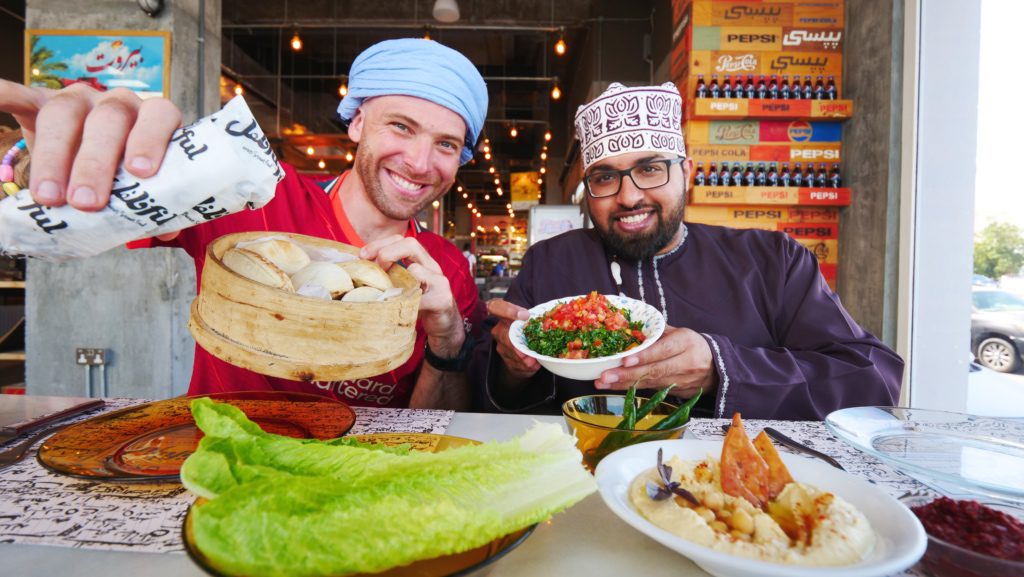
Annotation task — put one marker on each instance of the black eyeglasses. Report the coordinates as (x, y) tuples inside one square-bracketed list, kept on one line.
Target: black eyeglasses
[(650, 174)]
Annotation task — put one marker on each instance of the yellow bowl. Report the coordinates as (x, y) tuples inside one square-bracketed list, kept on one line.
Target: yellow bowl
[(592, 418)]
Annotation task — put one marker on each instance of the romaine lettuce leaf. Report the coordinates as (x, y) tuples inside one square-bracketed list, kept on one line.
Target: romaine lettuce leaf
[(299, 507)]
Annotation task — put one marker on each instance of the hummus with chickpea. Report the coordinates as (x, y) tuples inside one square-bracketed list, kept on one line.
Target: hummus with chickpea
[(797, 524)]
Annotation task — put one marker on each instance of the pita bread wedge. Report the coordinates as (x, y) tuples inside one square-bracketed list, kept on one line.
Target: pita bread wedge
[(363, 294), (367, 273), (254, 267), (283, 253), (324, 274)]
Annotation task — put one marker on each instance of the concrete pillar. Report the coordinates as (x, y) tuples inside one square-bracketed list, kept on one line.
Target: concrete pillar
[(134, 304), (869, 227)]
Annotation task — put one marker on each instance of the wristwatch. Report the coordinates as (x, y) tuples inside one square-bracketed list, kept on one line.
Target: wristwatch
[(452, 365)]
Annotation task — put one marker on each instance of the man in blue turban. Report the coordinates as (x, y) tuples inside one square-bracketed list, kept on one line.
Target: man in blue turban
[(415, 108)]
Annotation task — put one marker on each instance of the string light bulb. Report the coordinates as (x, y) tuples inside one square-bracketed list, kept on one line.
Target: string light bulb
[(487, 197), (239, 90), (348, 156), (560, 46), (436, 204), (487, 156), (556, 92), (296, 42), (514, 132), (459, 188), (543, 156), (309, 150), (322, 164), (470, 206), (426, 33), (547, 137), (491, 170), (343, 89), (465, 195), (499, 191)]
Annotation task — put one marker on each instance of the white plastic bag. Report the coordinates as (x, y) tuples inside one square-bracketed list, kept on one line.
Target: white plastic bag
[(218, 165)]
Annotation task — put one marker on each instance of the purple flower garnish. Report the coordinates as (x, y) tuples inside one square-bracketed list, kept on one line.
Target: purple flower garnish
[(670, 487)]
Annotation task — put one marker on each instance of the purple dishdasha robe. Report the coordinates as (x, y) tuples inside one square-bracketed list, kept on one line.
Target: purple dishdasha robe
[(783, 346)]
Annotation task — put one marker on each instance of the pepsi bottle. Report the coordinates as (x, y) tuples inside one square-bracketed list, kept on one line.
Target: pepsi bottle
[(762, 88), (785, 179), (726, 87), (773, 174), (725, 176), (737, 174), (714, 90), (712, 175), (699, 178), (773, 88), (702, 89), (809, 175), (808, 88), (822, 180), (784, 88), (798, 175), (831, 93), (749, 177), (749, 89), (835, 180), (761, 177), (819, 90)]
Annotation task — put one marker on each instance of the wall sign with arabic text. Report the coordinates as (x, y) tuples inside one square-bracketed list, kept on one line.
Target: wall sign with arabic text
[(104, 59)]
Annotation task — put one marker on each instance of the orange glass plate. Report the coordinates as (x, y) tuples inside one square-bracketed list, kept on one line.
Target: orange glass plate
[(455, 565), (149, 442)]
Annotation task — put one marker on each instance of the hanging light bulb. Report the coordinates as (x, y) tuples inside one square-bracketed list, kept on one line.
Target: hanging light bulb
[(436, 204), (497, 181), (487, 197), (465, 195), (470, 206), (560, 46), (540, 181), (239, 90), (309, 150), (487, 148), (499, 191), (543, 156), (348, 156), (556, 92), (472, 234), (547, 137), (322, 164), (491, 170), (487, 156), (509, 206), (543, 170), (343, 89), (296, 42), (459, 188), (426, 33), (514, 132)]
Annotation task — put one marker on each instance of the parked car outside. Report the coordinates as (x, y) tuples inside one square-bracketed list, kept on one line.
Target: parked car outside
[(997, 328), (982, 280)]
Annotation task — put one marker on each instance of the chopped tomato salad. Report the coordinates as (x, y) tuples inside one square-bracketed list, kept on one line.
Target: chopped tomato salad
[(583, 328)]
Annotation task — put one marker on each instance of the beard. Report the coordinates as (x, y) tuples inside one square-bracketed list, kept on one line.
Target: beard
[(646, 244), (367, 168)]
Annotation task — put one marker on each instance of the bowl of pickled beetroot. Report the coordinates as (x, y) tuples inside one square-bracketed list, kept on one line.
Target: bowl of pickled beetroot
[(968, 538)]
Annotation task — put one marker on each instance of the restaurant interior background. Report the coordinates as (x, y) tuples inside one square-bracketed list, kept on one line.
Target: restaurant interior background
[(899, 249)]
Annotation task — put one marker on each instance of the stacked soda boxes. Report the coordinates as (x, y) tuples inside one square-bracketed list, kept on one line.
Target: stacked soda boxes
[(762, 89)]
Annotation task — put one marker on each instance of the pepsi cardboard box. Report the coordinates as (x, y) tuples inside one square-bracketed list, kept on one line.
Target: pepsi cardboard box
[(754, 131)]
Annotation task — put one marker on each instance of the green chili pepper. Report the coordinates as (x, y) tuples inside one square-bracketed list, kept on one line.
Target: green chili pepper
[(629, 409), (653, 402), (680, 416)]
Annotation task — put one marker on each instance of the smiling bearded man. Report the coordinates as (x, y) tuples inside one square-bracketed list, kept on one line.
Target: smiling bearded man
[(750, 320)]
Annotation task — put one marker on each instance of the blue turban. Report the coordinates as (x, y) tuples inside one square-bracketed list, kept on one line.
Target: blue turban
[(421, 68)]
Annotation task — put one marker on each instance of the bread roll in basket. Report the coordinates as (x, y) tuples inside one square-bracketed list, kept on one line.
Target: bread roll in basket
[(283, 334)]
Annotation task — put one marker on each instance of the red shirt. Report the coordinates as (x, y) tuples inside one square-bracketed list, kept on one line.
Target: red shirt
[(302, 205)]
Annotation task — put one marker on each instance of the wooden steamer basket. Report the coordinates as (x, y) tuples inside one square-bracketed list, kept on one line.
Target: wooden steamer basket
[(286, 335)]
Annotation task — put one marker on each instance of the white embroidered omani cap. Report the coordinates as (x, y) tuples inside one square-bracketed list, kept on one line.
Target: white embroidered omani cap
[(637, 119)]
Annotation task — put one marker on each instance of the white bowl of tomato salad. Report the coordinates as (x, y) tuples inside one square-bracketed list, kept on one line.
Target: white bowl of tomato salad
[(580, 337)]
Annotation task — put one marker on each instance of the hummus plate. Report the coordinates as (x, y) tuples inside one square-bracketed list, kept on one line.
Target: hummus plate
[(900, 542)]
